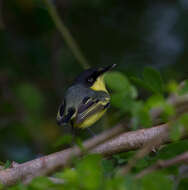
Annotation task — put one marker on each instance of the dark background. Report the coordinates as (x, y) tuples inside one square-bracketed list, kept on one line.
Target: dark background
[(36, 65)]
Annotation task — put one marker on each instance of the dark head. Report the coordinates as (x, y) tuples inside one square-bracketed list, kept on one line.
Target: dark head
[(93, 77)]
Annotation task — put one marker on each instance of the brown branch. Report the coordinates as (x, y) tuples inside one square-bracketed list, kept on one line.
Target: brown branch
[(151, 144), (180, 159), (47, 164), (52, 162), (131, 140)]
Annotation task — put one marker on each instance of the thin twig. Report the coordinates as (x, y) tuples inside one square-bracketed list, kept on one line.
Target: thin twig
[(176, 101), (151, 144), (180, 159), (66, 35), (56, 180)]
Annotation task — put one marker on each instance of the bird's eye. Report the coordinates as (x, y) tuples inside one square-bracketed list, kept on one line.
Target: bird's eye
[(90, 80)]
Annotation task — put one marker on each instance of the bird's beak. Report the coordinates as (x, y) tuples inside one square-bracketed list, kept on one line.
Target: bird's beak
[(107, 68)]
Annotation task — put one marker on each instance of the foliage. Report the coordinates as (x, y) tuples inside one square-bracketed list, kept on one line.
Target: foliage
[(37, 66), (151, 80)]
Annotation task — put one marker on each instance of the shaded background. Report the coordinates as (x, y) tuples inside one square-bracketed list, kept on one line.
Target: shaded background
[(36, 65)]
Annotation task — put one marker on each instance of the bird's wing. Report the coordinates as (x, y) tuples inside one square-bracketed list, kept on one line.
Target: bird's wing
[(90, 106), (61, 110), (63, 118)]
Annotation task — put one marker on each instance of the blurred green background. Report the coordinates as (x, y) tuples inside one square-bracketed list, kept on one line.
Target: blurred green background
[(36, 65)]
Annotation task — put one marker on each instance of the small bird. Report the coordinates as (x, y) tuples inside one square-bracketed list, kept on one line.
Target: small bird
[(86, 100)]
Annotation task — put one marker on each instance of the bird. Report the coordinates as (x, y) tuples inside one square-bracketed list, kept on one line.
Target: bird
[(86, 100)]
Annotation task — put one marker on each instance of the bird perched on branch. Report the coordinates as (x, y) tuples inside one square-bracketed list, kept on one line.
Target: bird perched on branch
[(86, 100)]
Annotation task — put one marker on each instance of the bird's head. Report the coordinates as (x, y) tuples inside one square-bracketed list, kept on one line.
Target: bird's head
[(93, 78)]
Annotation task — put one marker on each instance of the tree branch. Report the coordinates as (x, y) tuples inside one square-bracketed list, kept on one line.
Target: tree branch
[(131, 140), (151, 144), (47, 164), (52, 162), (180, 159)]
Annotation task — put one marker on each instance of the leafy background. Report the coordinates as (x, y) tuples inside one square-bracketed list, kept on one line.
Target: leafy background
[(37, 66)]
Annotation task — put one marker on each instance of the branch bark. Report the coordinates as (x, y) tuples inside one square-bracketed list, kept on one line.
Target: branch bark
[(131, 140), (47, 164), (52, 162)]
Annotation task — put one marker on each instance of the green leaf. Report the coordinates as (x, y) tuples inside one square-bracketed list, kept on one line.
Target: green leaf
[(124, 156), (41, 183), (172, 87), (1, 187), (153, 79), (115, 183), (176, 131), (141, 83), (122, 101), (69, 175), (155, 181), (177, 128), (184, 120), (7, 164), (144, 117), (133, 92), (108, 167), (124, 93), (183, 184), (65, 139), (90, 172), (155, 101), (19, 186), (141, 115), (168, 111), (142, 164), (119, 159), (117, 81), (171, 150), (131, 183), (79, 143)]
